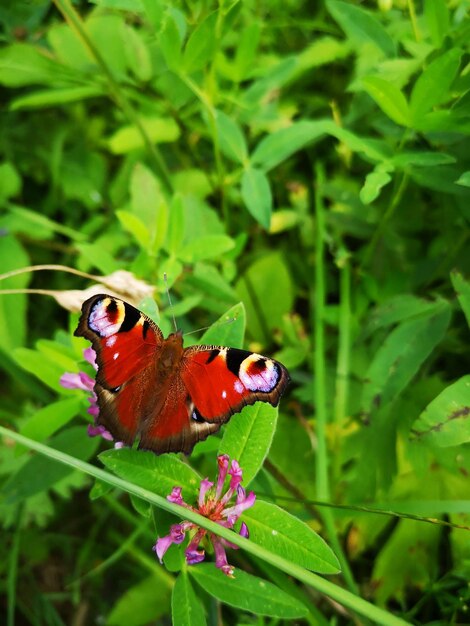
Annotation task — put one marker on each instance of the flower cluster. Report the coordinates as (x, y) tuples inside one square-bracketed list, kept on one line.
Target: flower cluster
[(87, 383), (216, 506)]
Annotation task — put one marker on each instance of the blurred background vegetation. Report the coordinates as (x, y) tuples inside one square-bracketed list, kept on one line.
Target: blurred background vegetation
[(308, 159)]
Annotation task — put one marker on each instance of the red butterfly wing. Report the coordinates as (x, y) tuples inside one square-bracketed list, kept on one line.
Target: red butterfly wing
[(126, 343), (170, 398), (221, 381)]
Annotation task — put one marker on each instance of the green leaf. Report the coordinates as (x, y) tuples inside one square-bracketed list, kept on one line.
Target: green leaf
[(175, 231), (246, 50), (34, 220), (142, 603), (389, 98), (392, 575), (98, 257), (373, 185), (23, 64), (248, 437), (464, 179), (422, 159), (45, 369), (247, 592), (155, 473), (12, 307), (462, 289), (206, 247), (433, 85), (231, 139), (201, 45), (446, 420), (135, 226), (53, 97), (227, 333), (186, 608), (257, 196), (285, 535), (397, 309), (267, 291), (49, 419), (361, 26), (149, 205), (170, 43), (41, 473), (437, 17), (137, 54), (276, 147), (400, 356), (128, 138), (10, 181)]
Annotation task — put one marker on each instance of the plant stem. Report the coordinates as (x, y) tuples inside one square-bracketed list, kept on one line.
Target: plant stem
[(318, 314), (342, 365), (344, 597)]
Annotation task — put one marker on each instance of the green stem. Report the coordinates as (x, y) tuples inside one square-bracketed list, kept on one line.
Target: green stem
[(383, 222), (76, 23), (322, 585), (414, 21), (318, 309), (342, 366)]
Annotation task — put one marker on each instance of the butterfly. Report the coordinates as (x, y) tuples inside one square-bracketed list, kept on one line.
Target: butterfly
[(168, 396)]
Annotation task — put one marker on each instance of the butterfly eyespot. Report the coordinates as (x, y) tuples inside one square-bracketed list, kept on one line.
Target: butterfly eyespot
[(197, 417), (112, 307)]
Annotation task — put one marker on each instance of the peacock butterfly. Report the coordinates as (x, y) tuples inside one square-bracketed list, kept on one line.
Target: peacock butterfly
[(168, 396)]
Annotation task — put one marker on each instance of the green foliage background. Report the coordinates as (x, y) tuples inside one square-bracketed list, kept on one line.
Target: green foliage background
[(309, 160)]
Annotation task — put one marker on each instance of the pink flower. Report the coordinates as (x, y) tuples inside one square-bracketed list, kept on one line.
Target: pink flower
[(213, 505), (87, 383)]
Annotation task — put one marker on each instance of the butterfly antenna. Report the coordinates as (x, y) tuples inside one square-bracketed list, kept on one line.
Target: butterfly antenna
[(229, 321), (165, 280)]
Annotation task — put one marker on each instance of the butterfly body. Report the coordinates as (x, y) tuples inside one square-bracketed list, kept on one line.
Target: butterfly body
[(168, 396)]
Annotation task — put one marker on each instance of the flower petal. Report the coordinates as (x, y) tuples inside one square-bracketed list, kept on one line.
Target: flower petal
[(222, 461), (176, 497), (90, 356), (71, 381), (162, 546), (236, 474), (241, 506), (244, 532), (99, 431), (204, 488), (221, 556), (87, 381)]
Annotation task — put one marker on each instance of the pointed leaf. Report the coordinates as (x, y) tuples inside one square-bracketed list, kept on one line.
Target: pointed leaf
[(186, 608), (285, 535), (361, 26), (256, 194), (248, 437), (389, 98), (247, 592), (432, 87), (155, 473), (446, 420), (231, 139)]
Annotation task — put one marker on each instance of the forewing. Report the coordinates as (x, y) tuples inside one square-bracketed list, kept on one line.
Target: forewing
[(126, 343)]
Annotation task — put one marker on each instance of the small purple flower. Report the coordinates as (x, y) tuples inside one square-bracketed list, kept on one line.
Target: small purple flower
[(86, 383), (211, 503)]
